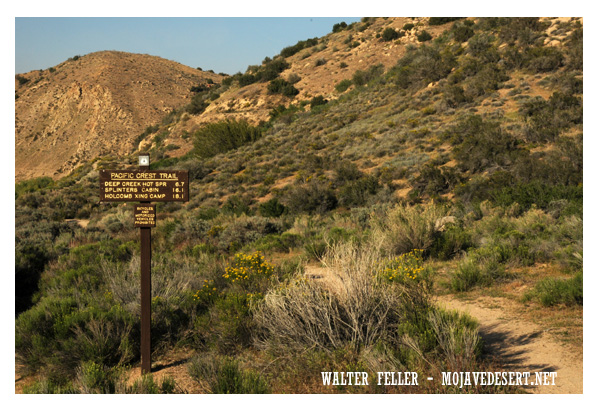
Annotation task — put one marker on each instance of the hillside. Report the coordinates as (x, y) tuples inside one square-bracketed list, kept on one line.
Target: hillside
[(336, 216), (98, 104), (91, 106)]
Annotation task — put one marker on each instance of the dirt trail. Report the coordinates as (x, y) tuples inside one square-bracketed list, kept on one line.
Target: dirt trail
[(173, 365), (521, 345), (517, 344)]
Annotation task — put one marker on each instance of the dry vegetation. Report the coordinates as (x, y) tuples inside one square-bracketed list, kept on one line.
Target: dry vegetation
[(319, 233)]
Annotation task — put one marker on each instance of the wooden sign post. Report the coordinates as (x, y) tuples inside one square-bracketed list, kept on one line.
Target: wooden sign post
[(144, 186)]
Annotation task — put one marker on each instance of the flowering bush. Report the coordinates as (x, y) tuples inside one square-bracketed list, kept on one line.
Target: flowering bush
[(248, 276), (405, 268), (251, 272), (228, 323), (206, 295)]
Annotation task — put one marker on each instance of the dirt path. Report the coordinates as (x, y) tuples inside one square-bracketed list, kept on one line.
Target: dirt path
[(517, 344), (521, 345), (81, 223), (173, 365)]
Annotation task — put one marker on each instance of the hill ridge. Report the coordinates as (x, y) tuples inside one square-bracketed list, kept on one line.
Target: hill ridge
[(91, 106)]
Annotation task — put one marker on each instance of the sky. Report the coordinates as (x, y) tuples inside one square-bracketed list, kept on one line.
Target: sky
[(221, 44)]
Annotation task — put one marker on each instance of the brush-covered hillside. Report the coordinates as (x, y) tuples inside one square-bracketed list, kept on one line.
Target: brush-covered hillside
[(336, 190)]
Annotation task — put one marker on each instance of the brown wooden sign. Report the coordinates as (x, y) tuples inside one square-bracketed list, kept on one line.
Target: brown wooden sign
[(144, 185), (144, 215)]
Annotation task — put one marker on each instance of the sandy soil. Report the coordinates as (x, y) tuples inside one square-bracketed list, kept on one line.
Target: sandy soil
[(521, 345), (517, 344), (173, 365)]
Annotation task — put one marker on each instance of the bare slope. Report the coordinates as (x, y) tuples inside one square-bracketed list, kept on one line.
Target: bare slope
[(92, 106)]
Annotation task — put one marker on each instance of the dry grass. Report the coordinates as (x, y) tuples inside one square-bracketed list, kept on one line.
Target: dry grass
[(407, 228), (352, 309)]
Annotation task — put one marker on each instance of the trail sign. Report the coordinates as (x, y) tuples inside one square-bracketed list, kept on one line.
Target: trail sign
[(144, 186), (144, 215)]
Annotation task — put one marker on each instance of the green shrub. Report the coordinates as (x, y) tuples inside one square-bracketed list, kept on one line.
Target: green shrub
[(453, 240), (434, 181), (462, 32), (339, 27), (457, 336), (357, 192), (552, 291), (204, 93), (247, 79), (224, 376), (33, 185), (275, 242), (250, 272), (468, 275), (30, 261), (229, 326), (454, 95), (271, 208), (406, 228), (421, 66), (241, 231), (147, 385), (284, 114), (574, 50), (215, 138), (231, 380), (311, 197), (280, 86), (486, 80), (437, 21), (343, 85), (98, 379), (237, 205), (293, 78), (535, 192), (482, 46), (361, 78), (546, 119), (406, 269), (318, 101), (56, 334), (315, 248), (47, 385), (272, 69), (389, 34), (480, 145), (424, 36), (22, 80), (544, 59), (300, 45), (524, 30)]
